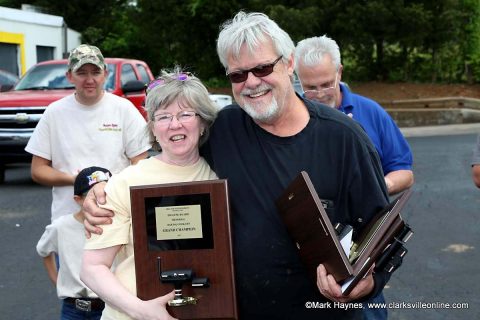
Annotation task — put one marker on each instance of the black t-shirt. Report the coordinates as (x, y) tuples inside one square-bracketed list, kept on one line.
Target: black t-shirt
[(344, 168)]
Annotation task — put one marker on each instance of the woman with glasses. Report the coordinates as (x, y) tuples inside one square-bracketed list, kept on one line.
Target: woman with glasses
[(180, 114)]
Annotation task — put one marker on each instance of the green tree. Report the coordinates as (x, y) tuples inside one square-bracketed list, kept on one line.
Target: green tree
[(106, 24), (390, 40), (442, 42), (183, 32), (79, 15), (470, 42)]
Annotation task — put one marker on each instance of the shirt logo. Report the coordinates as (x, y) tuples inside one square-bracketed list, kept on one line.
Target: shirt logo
[(110, 127)]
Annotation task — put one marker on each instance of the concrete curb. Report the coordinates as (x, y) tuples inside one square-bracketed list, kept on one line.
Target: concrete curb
[(443, 130)]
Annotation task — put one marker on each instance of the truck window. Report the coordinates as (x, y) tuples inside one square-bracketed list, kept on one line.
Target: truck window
[(110, 82), (50, 76), (128, 74), (143, 73)]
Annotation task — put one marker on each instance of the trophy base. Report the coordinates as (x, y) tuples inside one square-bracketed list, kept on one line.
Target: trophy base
[(182, 301)]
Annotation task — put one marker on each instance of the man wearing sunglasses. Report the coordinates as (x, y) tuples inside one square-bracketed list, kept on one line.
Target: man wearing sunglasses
[(319, 68), (260, 146)]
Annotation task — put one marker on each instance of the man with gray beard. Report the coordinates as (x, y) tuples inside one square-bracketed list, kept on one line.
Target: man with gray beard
[(260, 146)]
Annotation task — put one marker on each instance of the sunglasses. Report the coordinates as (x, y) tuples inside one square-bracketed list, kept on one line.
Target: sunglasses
[(260, 71)]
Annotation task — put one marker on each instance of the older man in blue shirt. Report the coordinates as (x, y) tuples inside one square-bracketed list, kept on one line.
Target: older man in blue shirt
[(318, 66)]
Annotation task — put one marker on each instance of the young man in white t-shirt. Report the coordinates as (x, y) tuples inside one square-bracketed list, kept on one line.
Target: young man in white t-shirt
[(89, 127)]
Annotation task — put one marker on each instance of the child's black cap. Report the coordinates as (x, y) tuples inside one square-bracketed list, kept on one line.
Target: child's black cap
[(88, 177)]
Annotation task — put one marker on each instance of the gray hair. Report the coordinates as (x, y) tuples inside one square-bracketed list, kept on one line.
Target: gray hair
[(251, 29), (188, 91), (311, 51)]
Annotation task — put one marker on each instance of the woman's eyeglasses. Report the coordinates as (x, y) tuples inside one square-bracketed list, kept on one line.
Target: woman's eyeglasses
[(165, 119), (184, 76), (260, 71)]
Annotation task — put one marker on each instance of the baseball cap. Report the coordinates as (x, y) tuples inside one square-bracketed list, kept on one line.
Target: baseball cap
[(84, 54), (88, 177)]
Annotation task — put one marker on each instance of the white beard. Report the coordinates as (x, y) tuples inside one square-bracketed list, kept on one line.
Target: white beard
[(331, 104), (261, 112)]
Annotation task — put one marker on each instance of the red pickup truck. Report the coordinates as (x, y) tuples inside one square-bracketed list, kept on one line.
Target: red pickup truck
[(21, 108)]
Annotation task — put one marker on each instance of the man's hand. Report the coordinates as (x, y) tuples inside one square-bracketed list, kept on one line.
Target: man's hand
[(94, 215), (331, 290)]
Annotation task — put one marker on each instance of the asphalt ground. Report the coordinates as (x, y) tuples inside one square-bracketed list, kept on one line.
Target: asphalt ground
[(439, 271), (439, 278)]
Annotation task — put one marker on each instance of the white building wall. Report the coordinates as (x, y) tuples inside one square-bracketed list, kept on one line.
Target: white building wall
[(36, 29), (74, 39)]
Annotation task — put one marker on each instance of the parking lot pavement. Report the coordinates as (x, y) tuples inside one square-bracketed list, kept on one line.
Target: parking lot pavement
[(440, 268), (439, 278)]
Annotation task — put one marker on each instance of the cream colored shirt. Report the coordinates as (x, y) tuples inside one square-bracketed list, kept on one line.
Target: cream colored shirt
[(148, 171)]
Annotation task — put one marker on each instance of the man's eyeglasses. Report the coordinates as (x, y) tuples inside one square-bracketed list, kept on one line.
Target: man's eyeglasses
[(260, 71), (317, 94), (165, 119), (184, 76)]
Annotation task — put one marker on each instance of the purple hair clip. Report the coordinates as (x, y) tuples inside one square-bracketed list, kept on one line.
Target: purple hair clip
[(182, 77), (155, 83)]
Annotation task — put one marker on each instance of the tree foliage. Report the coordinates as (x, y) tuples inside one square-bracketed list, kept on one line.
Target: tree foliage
[(388, 40)]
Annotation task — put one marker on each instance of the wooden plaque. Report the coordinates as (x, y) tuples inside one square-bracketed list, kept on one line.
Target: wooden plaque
[(185, 226), (313, 233)]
